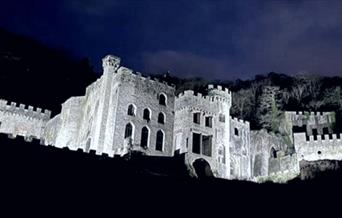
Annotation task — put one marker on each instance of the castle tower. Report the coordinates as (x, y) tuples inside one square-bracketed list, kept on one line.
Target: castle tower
[(202, 129), (110, 64), (223, 128)]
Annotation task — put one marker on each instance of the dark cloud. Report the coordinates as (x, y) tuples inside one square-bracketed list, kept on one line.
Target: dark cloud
[(209, 38), (186, 64)]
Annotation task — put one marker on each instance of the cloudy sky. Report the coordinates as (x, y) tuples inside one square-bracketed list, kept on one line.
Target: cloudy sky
[(215, 39)]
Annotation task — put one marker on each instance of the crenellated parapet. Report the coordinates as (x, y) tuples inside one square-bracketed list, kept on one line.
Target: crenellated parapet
[(216, 97), (21, 110), (218, 90), (240, 121), (302, 116), (320, 147), (128, 75)]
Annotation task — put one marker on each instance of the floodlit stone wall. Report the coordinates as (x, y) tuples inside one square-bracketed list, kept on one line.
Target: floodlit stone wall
[(312, 120), (143, 93), (265, 145), (239, 145), (124, 111), (21, 120), (191, 135), (311, 149)]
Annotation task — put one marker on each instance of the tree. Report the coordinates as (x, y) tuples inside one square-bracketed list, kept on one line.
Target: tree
[(268, 111), (243, 102)]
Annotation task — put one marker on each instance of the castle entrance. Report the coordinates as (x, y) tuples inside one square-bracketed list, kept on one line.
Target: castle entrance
[(202, 168)]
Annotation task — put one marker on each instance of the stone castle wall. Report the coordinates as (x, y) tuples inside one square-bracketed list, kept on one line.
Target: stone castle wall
[(329, 148), (239, 146), (262, 145), (214, 106), (312, 120), (97, 121), (143, 93), (19, 120)]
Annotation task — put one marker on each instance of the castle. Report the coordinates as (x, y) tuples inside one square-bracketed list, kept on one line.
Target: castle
[(124, 111)]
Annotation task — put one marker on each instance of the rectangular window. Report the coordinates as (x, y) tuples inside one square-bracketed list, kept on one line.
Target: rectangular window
[(222, 118), (206, 145), (196, 143), (209, 122), (197, 117)]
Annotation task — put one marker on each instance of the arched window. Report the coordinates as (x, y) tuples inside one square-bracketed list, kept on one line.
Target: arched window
[(128, 130), (144, 137), (147, 114), (162, 99), (159, 140), (161, 118), (131, 110)]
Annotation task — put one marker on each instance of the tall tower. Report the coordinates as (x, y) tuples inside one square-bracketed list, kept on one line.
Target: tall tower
[(202, 130), (110, 64), (225, 99)]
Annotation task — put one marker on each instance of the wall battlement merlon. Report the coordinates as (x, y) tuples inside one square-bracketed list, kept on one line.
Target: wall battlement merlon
[(200, 97), (244, 122), (311, 113), (129, 72), (22, 110), (219, 88), (326, 138)]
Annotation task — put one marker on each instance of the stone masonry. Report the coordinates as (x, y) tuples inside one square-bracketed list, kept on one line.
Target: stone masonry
[(124, 111)]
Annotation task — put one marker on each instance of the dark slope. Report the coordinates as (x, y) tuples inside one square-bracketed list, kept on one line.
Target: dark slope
[(40, 180)]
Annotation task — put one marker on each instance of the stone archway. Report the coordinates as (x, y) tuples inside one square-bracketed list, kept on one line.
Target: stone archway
[(202, 168)]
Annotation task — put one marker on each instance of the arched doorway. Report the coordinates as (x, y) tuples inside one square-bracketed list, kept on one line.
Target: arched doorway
[(202, 168)]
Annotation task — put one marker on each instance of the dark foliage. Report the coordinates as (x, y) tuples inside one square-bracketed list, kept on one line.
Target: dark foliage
[(34, 74)]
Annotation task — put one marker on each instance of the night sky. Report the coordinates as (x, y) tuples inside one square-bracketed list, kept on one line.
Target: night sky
[(214, 39)]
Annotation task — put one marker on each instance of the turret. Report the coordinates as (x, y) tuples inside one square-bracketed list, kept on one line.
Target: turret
[(110, 63)]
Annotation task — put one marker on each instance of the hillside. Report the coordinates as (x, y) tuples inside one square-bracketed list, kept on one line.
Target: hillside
[(39, 180)]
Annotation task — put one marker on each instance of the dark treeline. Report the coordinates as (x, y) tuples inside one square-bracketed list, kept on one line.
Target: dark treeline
[(32, 73), (300, 92)]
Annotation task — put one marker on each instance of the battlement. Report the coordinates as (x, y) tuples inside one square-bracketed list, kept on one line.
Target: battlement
[(243, 122), (218, 89), (200, 97), (309, 113), (312, 148), (29, 112), (327, 137), (137, 75), (298, 118)]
